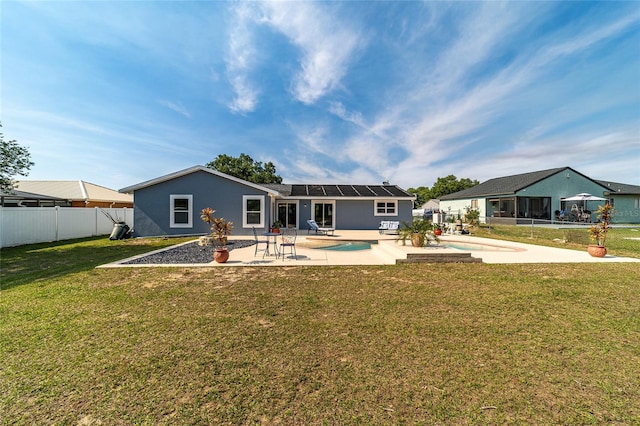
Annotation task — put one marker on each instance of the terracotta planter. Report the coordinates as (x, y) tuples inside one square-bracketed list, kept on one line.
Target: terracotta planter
[(597, 251), (221, 255), (437, 232), (417, 240)]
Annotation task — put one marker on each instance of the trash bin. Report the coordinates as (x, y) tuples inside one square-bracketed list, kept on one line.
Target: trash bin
[(120, 230)]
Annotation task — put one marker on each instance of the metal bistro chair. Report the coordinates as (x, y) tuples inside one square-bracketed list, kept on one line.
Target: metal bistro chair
[(288, 236), (258, 241)]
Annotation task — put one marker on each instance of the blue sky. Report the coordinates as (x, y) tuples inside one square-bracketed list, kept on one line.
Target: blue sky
[(119, 92)]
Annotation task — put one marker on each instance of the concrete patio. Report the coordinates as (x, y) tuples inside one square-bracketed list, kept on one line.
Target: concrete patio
[(389, 251)]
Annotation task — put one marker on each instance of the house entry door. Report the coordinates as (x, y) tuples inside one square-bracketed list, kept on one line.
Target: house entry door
[(323, 214), (288, 214)]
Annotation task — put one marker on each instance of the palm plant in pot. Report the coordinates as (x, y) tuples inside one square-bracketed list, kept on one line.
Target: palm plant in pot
[(598, 232), (220, 230), (419, 231), (275, 228)]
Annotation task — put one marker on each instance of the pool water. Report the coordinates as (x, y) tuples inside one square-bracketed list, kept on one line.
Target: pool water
[(345, 246)]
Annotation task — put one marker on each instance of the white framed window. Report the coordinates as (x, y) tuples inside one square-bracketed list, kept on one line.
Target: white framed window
[(252, 211), (386, 208), (181, 210)]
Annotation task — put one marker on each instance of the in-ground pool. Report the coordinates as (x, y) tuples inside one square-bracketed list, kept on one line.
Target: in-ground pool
[(341, 245)]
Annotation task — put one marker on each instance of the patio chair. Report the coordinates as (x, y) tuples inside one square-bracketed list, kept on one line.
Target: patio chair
[(384, 225), (389, 227), (288, 236), (313, 226), (258, 241)]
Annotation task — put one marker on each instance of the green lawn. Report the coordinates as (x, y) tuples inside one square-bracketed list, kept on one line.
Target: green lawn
[(620, 241), (406, 344)]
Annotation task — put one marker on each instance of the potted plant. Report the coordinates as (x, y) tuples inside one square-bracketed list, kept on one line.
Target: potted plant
[(420, 232), (275, 228), (220, 231), (472, 216), (598, 232), (437, 229)]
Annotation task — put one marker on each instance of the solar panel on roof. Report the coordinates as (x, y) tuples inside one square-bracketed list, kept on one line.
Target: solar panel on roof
[(348, 190), (315, 190), (378, 191), (363, 190), (332, 191), (396, 191), (299, 190)]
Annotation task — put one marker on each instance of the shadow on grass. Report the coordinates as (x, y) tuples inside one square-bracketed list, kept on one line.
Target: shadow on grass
[(30, 263)]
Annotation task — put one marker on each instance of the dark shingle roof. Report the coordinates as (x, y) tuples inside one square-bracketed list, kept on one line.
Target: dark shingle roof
[(504, 185), (620, 188), (340, 191)]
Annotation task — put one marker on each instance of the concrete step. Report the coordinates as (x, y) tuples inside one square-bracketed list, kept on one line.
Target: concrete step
[(439, 258)]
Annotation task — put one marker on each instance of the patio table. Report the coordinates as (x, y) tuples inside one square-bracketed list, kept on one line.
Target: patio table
[(275, 236)]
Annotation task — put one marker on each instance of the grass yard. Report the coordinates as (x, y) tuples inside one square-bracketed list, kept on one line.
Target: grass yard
[(406, 344), (620, 241)]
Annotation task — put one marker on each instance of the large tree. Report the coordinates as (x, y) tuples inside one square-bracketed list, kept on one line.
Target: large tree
[(443, 186), (14, 160), (244, 167), (450, 184)]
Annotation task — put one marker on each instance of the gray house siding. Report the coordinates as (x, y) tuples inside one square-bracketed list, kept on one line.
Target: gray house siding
[(360, 214), (171, 204), (152, 205)]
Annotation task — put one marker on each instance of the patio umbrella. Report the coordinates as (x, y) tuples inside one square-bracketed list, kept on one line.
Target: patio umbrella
[(584, 196)]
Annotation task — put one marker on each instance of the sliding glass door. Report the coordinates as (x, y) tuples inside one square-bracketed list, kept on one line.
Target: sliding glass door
[(288, 214), (323, 214)]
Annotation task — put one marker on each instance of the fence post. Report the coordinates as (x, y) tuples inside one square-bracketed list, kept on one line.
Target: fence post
[(57, 221), (95, 217), (532, 228)]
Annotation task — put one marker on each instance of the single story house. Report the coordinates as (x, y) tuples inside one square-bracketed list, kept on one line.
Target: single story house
[(27, 199), (77, 193), (171, 204), (541, 195)]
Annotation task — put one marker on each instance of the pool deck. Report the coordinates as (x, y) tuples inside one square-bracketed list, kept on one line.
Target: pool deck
[(388, 251)]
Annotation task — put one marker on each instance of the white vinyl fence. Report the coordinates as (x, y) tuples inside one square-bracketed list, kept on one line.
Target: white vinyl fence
[(28, 225)]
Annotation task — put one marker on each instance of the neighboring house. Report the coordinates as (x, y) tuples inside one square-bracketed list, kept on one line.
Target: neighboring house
[(626, 201), (27, 199), (78, 193), (432, 205), (427, 210), (539, 195), (171, 204)]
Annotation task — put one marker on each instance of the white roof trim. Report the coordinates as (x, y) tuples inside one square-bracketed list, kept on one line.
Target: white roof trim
[(83, 190), (190, 170)]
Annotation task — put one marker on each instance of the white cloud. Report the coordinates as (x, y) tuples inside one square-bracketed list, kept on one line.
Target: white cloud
[(327, 44), (240, 60), (177, 107), (339, 110), (441, 123)]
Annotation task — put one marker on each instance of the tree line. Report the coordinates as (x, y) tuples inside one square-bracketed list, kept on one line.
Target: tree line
[(442, 186)]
